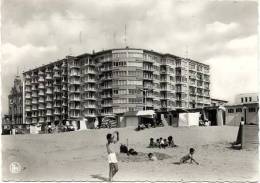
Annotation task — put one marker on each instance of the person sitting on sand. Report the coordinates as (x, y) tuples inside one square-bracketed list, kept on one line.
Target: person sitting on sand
[(152, 157), (171, 142), (112, 160), (151, 144), (165, 143), (157, 144), (161, 143), (189, 156)]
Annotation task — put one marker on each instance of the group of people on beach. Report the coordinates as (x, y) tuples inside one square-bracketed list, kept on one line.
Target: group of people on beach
[(113, 138), (162, 143)]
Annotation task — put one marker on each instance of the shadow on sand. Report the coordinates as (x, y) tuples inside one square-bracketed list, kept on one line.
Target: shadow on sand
[(234, 147), (98, 176), (177, 163)]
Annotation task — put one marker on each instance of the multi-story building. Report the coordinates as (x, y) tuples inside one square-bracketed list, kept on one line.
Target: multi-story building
[(15, 99), (112, 82)]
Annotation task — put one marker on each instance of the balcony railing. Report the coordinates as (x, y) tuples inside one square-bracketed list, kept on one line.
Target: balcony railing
[(75, 98)]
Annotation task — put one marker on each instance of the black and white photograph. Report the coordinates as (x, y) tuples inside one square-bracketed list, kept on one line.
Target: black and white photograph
[(129, 90)]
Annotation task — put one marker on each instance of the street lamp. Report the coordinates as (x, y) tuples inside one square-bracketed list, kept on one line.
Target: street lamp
[(244, 108)]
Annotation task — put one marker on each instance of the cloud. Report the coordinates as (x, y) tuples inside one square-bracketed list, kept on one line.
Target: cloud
[(38, 32), (221, 28)]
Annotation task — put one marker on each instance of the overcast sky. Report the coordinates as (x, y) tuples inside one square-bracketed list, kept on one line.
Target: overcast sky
[(222, 34)]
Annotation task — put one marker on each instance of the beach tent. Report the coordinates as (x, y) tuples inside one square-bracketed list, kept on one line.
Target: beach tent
[(189, 119), (147, 113), (82, 124)]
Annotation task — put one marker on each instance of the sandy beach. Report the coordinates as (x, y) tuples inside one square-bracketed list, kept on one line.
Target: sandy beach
[(81, 156)]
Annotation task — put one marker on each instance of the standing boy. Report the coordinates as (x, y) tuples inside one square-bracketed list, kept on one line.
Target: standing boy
[(112, 160)]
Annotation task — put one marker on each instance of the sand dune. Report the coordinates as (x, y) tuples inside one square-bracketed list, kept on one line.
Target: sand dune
[(82, 156)]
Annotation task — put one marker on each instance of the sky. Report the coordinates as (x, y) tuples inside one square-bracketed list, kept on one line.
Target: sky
[(222, 34)]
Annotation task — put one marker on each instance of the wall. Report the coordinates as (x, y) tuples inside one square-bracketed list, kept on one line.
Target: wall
[(234, 119)]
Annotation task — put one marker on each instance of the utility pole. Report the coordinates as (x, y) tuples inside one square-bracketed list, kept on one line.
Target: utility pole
[(125, 37)]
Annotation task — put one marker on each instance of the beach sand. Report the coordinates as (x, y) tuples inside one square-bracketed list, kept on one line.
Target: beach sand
[(82, 156)]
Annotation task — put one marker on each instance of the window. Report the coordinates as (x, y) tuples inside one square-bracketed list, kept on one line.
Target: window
[(230, 110), (251, 109), (250, 99), (245, 99), (238, 109), (115, 91), (242, 100)]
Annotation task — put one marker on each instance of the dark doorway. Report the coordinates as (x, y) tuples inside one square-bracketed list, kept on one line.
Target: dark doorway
[(213, 117)]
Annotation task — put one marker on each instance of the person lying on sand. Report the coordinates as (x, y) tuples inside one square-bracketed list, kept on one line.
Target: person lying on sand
[(152, 157), (112, 160), (189, 156)]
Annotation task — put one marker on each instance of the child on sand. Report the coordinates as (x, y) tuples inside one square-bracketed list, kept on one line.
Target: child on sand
[(189, 156), (152, 157), (112, 160)]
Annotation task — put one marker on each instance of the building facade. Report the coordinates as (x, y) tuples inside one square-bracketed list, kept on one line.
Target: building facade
[(245, 109), (112, 82), (15, 102), (247, 98), (217, 102)]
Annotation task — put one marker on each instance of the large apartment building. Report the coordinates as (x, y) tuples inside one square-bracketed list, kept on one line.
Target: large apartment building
[(112, 82)]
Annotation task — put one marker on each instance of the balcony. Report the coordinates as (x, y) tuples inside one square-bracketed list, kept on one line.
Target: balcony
[(27, 83), (56, 68), (56, 90), (48, 92), (49, 114), (41, 86), (34, 81), (75, 98), (27, 96), (56, 105), (41, 79), (64, 64), (77, 66), (41, 100), (34, 108), (56, 113), (49, 106), (75, 82), (192, 76), (107, 105), (75, 74), (75, 115), (89, 89), (92, 80), (34, 88), (101, 69), (56, 75), (64, 88), (64, 73), (41, 94), (48, 99), (28, 109), (48, 77), (74, 91), (89, 98), (92, 106), (106, 113), (147, 78), (34, 95), (106, 96), (28, 90), (41, 107), (27, 76)]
